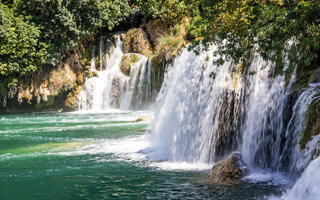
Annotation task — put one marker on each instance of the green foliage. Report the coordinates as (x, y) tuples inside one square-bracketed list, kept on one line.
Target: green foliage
[(38, 32), (20, 49), (65, 22), (237, 26), (170, 11)]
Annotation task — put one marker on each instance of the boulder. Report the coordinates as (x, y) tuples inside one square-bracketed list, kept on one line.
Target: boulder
[(228, 170), (126, 63), (156, 28), (136, 41)]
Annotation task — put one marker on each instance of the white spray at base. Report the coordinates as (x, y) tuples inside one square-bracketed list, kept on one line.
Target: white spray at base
[(113, 89), (307, 187)]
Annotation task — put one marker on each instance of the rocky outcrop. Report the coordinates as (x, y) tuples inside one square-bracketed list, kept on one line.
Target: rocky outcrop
[(228, 170), (312, 127), (50, 88), (156, 29), (136, 41), (126, 63)]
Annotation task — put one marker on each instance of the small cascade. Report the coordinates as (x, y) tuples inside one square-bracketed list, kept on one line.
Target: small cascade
[(138, 92), (93, 64), (101, 53), (264, 124), (298, 160), (113, 89)]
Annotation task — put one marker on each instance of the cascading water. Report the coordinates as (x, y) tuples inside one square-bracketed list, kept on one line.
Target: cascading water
[(205, 112), (113, 89), (195, 98), (292, 154), (307, 187), (263, 126)]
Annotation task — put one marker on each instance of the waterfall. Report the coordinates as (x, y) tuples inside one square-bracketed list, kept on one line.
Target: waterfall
[(113, 89), (93, 64), (307, 186), (101, 53), (292, 154), (207, 111), (264, 124), (196, 97)]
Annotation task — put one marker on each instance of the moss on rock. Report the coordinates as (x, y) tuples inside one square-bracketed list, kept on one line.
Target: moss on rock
[(72, 98), (312, 126), (126, 63)]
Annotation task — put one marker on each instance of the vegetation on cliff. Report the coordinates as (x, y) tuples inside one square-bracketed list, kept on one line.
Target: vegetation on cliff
[(41, 32), (36, 35)]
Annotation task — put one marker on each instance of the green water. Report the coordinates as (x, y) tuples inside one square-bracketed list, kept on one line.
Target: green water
[(97, 156)]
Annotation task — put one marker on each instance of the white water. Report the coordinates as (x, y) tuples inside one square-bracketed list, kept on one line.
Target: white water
[(194, 108), (298, 159), (264, 116), (190, 106), (308, 186), (113, 89)]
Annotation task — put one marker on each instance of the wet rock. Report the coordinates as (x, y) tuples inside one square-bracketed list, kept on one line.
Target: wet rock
[(136, 41), (142, 119), (312, 127), (228, 170)]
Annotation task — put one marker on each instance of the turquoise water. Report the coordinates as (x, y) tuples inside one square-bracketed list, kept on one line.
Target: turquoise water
[(99, 156)]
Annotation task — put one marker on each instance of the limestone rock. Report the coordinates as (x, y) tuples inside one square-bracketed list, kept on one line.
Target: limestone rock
[(228, 170), (136, 41)]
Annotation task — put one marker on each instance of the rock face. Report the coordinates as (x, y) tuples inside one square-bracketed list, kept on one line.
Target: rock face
[(136, 41), (228, 170), (312, 127), (156, 28)]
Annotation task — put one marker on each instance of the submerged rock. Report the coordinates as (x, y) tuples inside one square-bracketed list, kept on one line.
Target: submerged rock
[(228, 170)]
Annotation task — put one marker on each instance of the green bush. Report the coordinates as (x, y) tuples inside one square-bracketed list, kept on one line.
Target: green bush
[(42, 32)]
